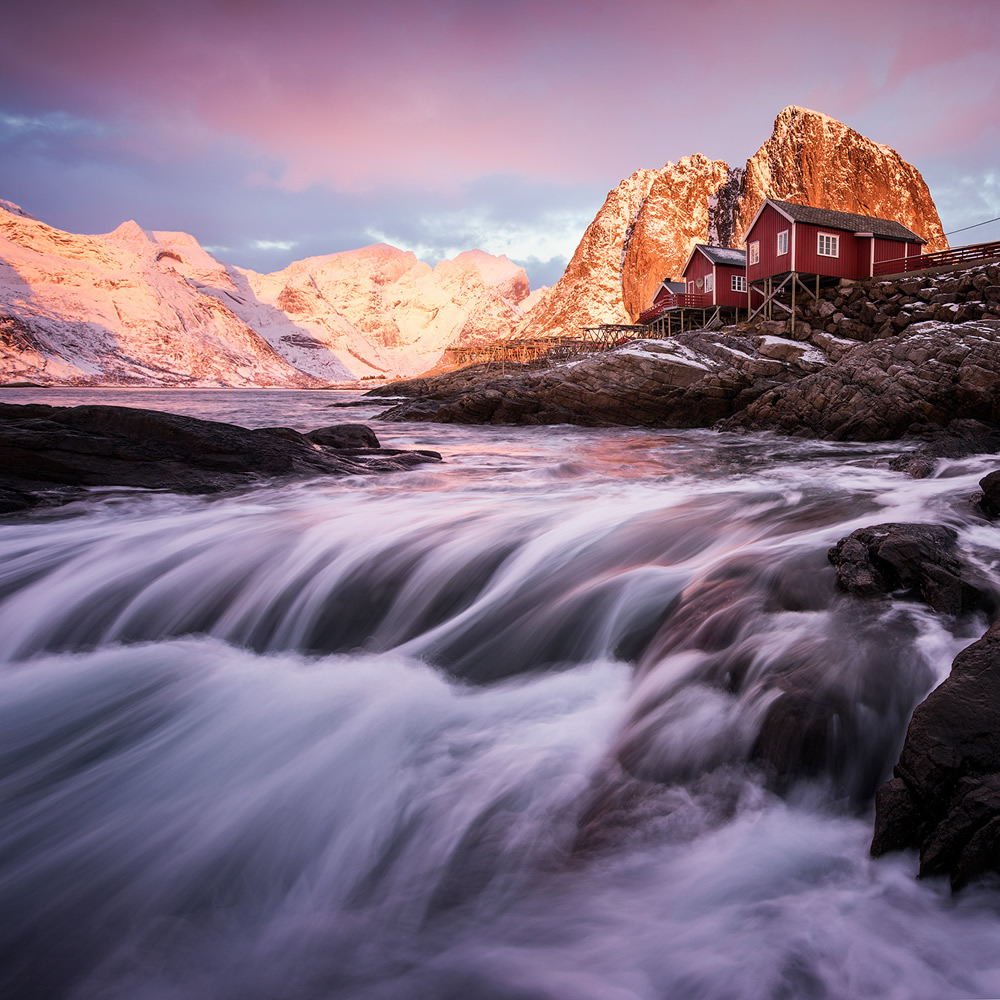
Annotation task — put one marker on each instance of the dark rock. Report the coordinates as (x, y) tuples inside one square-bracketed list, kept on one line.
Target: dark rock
[(344, 436), (699, 378), (919, 560), (879, 391), (990, 502), (42, 447), (944, 798), (915, 466)]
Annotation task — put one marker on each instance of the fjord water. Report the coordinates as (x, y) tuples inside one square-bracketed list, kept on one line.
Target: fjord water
[(477, 730)]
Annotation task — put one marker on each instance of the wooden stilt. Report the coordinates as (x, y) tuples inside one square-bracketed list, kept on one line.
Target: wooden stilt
[(794, 282)]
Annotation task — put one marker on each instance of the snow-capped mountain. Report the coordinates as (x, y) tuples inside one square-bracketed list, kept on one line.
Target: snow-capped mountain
[(646, 228), (137, 307)]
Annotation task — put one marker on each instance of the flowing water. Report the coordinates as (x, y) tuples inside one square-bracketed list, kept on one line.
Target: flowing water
[(479, 730)]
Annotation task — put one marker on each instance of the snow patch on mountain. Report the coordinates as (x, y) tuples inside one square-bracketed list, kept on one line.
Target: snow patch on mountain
[(139, 307)]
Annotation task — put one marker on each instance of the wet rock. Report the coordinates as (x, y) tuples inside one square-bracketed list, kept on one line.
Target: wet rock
[(944, 798), (917, 560), (42, 447), (989, 504), (344, 436)]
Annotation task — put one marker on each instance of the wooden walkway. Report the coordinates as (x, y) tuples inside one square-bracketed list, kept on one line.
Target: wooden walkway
[(955, 257), (544, 351)]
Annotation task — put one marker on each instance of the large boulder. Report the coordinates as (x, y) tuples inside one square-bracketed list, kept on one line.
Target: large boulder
[(989, 503), (918, 560), (44, 447), (944, 798)]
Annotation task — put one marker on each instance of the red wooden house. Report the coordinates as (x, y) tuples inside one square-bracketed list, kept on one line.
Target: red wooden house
[(788, 242), (785, 238), (719, 274)]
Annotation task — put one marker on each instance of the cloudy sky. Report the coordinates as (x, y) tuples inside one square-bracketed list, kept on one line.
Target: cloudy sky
[(275, 131)]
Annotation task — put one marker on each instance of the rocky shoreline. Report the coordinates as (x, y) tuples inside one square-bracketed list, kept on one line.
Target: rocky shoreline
[(869, 361), (48, 453)]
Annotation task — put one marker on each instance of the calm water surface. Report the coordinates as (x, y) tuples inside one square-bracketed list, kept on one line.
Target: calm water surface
[(476, 730)]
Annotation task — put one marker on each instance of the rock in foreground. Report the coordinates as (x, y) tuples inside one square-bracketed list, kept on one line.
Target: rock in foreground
[(920, 560), (44, 447), (944, 798)]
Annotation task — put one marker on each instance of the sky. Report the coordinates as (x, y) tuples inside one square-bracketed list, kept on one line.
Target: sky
[(276, 131)]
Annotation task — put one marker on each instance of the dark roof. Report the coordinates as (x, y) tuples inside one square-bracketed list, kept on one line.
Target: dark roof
[(848, 220), (723, 255)]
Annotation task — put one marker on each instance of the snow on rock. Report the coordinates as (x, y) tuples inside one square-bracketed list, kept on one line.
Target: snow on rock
[(104, 310), (9, 206)]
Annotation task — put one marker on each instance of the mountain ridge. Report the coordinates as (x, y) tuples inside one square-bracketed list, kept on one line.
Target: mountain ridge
[(136, 306)]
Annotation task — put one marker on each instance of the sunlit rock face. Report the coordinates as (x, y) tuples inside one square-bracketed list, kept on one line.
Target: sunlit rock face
[(115, 308), (154, 308), (812, 159), (590, 289), (646, 228), (682, 207)]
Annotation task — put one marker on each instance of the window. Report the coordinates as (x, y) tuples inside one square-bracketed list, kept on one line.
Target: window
[(739, 283), (783, 242), (828, 245), (754, 253), (709, 282)]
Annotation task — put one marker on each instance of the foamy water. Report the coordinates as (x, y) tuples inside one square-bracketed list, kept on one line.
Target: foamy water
[(480, 730)]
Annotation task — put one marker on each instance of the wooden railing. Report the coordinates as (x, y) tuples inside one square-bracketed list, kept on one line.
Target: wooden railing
[(956, 255), (675, 300)]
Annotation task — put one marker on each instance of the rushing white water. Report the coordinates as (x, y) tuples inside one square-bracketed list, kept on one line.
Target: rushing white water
[(478, 730)]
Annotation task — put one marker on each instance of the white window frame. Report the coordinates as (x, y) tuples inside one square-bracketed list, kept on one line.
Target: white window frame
[(783, 249), (754, 257), (709, 282), (831, 242), (738, 283)]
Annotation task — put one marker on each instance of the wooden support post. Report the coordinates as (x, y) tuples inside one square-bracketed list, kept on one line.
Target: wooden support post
[(794, 281)]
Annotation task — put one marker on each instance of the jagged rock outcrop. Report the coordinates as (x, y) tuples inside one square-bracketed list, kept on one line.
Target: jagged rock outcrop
[(132, 307), (930, 375), (937, 380), (813, 159), (46, 447), (645, 230), (944, 797)]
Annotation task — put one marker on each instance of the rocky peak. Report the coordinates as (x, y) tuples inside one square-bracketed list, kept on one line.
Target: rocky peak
[(683, 204), (130, 233), (646, 228), (590, 289), (9, 206), (813, 159)]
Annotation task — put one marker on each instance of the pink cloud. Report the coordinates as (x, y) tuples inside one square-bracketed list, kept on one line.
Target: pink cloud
[(431, 94)]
